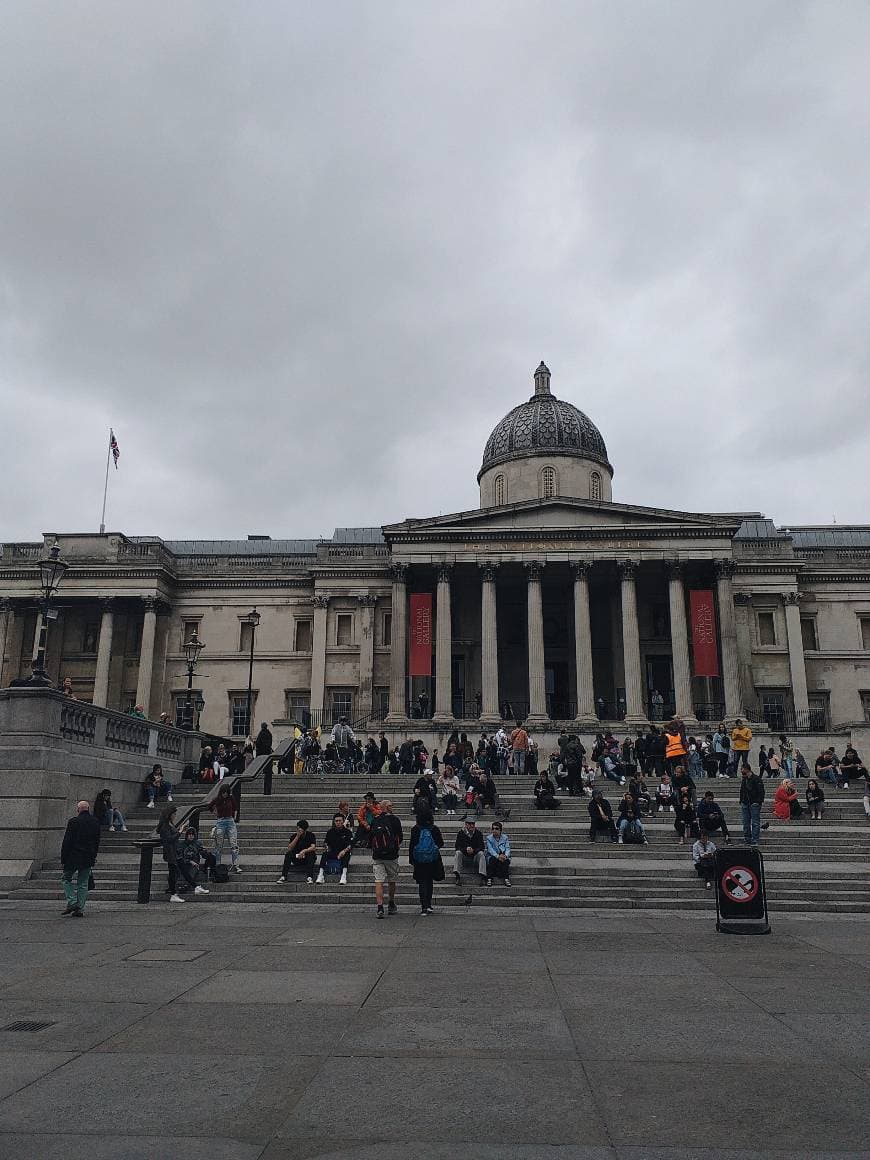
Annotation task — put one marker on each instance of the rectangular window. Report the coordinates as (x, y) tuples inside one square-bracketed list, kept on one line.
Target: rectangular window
[(246, 638), (387, 629), (865, 706), (298, 708), (865, 633), (818, 712), (381, 702), (341, 704), (184, 715), (188, 628), (302, 636), (344, 628), (766, 628), (773, 710), (240, 722), (808, 634)]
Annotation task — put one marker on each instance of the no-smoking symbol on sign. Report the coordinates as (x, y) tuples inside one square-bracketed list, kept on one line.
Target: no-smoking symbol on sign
[(740, 884)]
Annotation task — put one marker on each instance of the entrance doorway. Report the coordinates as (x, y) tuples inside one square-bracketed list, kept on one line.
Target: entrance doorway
[(660, 677)]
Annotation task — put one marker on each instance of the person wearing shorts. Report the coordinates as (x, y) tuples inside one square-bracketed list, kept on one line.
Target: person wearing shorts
[(385, 858)]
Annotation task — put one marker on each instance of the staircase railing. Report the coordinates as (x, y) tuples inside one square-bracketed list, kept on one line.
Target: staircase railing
[(265, 765)]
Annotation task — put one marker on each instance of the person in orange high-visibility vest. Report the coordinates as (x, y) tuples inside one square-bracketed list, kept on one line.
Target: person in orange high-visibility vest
[(676, 744)]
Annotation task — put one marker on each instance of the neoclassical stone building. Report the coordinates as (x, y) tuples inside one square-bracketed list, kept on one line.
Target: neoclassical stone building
[(550, 601)]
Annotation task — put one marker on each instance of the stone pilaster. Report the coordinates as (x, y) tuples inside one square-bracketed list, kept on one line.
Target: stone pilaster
[(537, 677), (399, 645), (634, 706), (318, 656), (443, 648), (586, 717), (146, 656), (490, 712), (685, 708), (7, 616), (367, 604), (104, 653), (728, 641), (796, 662)]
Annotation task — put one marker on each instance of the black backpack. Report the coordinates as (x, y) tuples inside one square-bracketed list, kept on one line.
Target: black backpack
[(382, 839), (220, 874)]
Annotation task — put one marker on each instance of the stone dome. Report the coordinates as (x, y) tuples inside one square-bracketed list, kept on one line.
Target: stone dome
[(544, 426)]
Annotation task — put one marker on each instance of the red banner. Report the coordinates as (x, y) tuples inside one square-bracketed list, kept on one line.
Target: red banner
[(421, 634), (704, 649)]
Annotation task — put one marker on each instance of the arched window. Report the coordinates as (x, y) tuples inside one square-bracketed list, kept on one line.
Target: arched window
[(499, 491), (548, 482), (595, 485)]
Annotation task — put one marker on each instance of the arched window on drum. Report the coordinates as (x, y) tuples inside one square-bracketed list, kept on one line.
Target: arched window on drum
[(499, 490), (548, 482), (595, 485)]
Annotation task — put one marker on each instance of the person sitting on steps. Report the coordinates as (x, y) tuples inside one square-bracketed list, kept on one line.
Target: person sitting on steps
[(155, 786), (301, 853), (630, 826), (665, 794), (498, 855), (545, 793), (337, 845), (469, 852), (601, 817), (704, 858), (815, 796), (710, 816)]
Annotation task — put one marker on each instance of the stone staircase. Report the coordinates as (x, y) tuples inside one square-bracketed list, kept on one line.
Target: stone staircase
[(810, 866)]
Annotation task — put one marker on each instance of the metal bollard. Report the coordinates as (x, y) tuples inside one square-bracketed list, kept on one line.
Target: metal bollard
[(146, 860), (267, 779)]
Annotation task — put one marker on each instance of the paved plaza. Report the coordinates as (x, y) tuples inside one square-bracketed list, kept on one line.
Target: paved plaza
[(261, 1032)]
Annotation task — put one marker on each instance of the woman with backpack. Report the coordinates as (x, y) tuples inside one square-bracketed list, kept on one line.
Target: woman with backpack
[(424, 854)]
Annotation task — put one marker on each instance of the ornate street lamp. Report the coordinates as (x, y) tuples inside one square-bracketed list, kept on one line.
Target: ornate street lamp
[(52, 571), (252, 620), (192, 648)]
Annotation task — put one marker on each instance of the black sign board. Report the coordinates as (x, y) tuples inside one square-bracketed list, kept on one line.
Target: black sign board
[(741, 902)]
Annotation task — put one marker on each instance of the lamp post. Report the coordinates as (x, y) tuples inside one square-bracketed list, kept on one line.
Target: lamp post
[(252, 620), (52, 571), (192, 648)]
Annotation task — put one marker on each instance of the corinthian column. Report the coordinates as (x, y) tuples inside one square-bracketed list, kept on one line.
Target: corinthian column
[(796, 661), (490, 713), (586, 718), (634, 706), (146, 656), (367, 605), (104, 653), (537, 677), (680, 644), (728, 641), (318, 657), (398, 646), (443, 649)]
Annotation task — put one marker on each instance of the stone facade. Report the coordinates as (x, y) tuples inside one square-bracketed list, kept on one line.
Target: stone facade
[(557, 607)]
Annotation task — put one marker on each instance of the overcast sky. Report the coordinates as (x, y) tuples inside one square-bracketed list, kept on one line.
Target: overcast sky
[(303, 257)]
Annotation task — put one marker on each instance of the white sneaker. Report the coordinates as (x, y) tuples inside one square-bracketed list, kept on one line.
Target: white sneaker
[(672, 809), (310, 881), (237, 868), (123, 829), (176, 898), (620, 840), (169, 797), (200, 890), (622, 781), (845, 785), (343, 879), (280, 878), (320, 879), (150, 806)]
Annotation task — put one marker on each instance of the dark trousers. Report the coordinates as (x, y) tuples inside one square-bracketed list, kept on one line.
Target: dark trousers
[(602, 827), (705, 869), (425, 886), (546, 802), (497, 869), (326, 857), (184, 869), (711, 827), (306, 866)]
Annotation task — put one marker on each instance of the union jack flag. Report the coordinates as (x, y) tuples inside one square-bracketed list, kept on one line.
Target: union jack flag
[(113, 444)]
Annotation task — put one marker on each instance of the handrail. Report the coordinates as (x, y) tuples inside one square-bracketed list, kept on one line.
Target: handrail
[(263, 764)]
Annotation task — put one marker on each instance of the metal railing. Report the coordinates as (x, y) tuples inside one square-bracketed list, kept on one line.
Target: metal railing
[(264, 765), (784, 719), (710, 711)]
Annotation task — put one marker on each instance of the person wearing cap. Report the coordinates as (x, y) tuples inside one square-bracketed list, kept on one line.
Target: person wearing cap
[(78, 853), (365, 815), (194, 855), (469, 851), (301, 853), (498, 855)]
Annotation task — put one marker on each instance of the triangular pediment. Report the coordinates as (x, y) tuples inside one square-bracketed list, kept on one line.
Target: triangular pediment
[(565, 513)]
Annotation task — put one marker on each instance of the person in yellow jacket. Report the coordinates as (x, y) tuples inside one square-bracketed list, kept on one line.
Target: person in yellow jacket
[(741, 739)]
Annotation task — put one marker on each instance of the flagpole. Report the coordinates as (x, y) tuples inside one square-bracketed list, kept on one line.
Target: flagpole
[(106, 487)]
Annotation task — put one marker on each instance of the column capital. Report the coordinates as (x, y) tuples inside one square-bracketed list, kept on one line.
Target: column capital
[(150, 604), (675, 569), (399, 572), (742, 599), (534, 569), (320, 600), (791, 598), (580, 569), (443, 573), (5, 604), (724, 569), (488, 572), (367, 600), (107, 604), (627, 569)]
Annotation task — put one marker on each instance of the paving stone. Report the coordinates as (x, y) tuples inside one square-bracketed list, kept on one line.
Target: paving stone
[(292, 957), (503, 989), (138, 982), (115, 1146), (327, 987), (499, 1149), (20, 1068), (78, 1026)]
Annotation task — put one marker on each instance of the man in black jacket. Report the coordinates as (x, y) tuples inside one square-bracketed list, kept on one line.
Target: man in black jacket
[(78, 853), (751, 798), (263, 743), (601, 817), (469, 851)]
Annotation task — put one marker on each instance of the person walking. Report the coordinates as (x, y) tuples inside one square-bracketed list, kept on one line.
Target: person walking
[(226, 810), (519, 750), (385, 838), (78, 855), (424, 854), (751, 799)]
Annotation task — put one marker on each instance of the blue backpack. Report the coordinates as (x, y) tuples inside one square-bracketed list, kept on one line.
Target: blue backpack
[(425, 850)]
